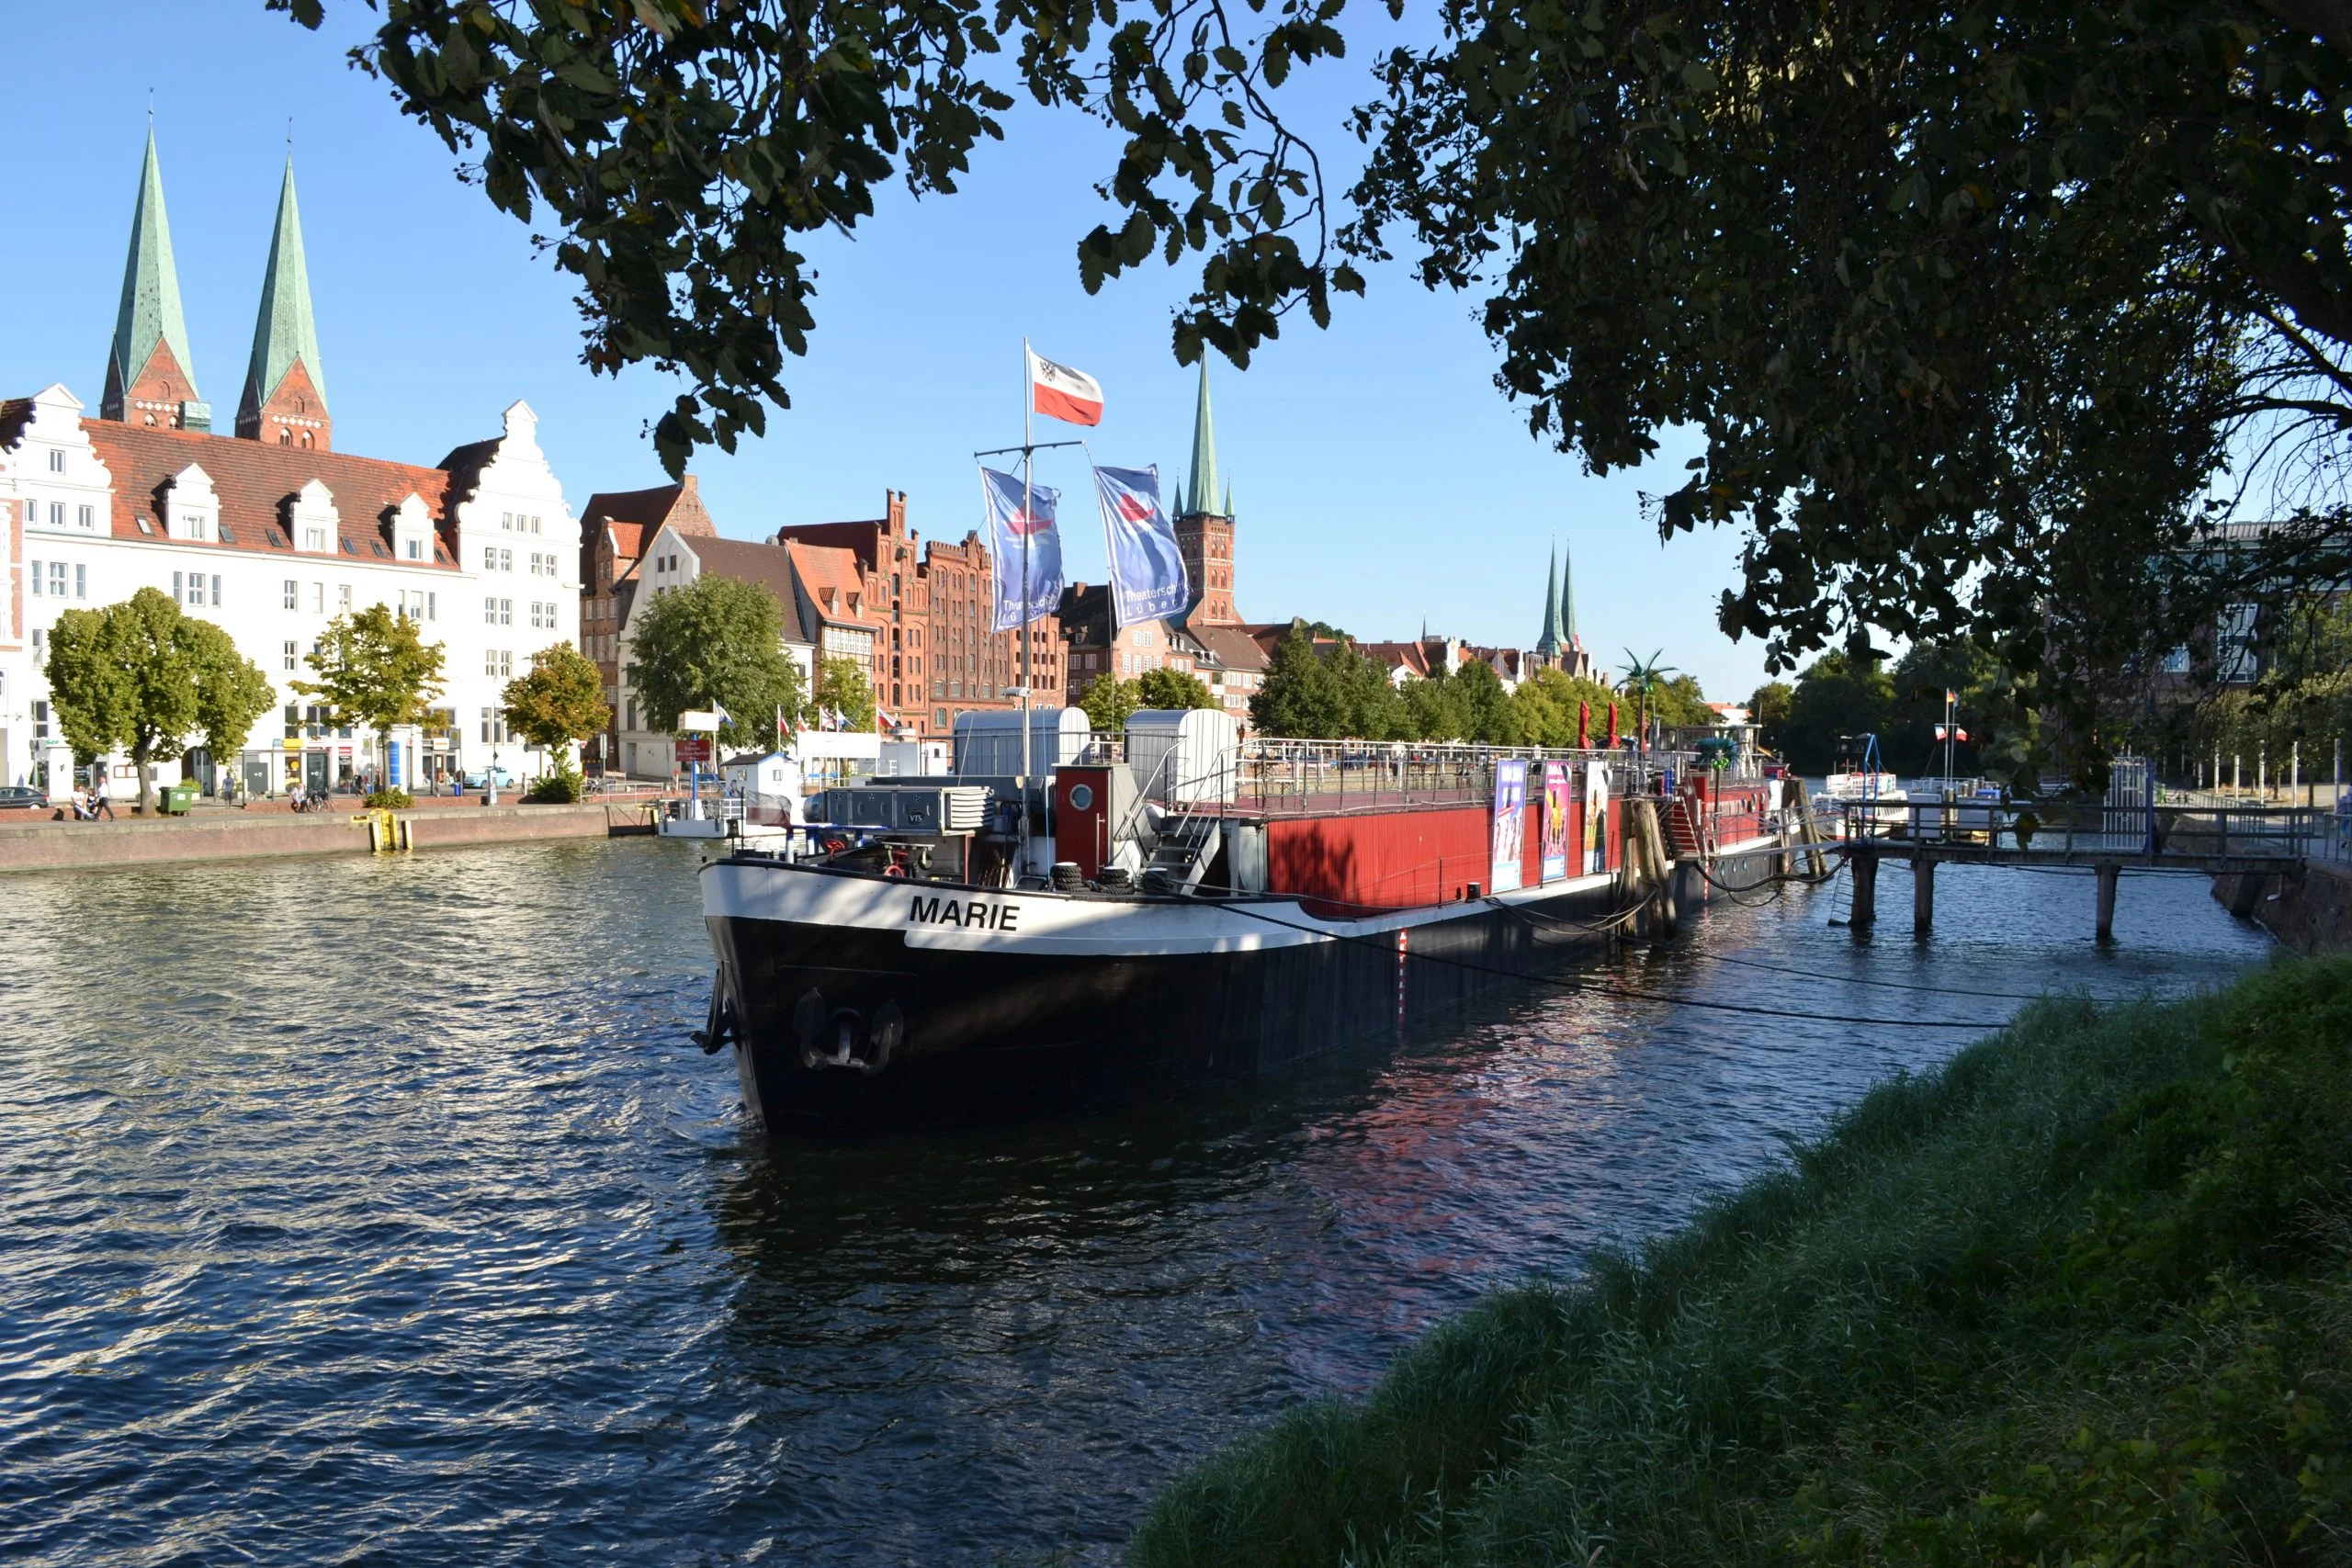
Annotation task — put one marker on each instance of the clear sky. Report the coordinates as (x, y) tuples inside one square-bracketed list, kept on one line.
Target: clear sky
[(1381, 481)]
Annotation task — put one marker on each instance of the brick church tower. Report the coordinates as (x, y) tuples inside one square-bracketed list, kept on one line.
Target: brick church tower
[(151, 378), (1203, 519), (285, 401)]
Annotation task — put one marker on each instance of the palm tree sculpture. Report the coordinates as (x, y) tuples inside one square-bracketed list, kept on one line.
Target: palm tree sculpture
[(1642, 675)]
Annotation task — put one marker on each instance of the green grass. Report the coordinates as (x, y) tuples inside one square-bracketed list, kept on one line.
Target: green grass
[(2083, 1296)]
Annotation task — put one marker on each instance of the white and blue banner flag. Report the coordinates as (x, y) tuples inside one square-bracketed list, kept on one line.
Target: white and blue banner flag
[(1008, 527), (1148, 579)]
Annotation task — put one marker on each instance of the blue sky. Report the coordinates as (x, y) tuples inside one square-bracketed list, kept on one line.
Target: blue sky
[(1380, 479)]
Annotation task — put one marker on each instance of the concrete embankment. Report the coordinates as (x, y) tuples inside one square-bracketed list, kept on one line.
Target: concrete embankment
[(238, 835), (2310, 912)]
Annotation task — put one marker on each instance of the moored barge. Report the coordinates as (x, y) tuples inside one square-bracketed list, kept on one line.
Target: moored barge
[(1177, 910)]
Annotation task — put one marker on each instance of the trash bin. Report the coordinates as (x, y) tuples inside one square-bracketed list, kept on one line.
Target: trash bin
[(179, 799)]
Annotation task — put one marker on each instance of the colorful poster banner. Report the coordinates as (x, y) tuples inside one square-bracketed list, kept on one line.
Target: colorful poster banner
[(1508, 870), (1596, 819), (1556, 821)]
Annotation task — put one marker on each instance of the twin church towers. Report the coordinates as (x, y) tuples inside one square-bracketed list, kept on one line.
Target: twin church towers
[(150, 376)]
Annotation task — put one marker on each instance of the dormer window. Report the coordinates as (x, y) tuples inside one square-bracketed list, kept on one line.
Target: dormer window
[(314, 538), (190, 508)]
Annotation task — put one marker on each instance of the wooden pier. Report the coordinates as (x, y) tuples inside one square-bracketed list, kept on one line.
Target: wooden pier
[(2249, 844)]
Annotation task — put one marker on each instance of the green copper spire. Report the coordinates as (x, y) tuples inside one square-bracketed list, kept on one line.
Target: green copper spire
[(284, 330), (1201, 493), (150, 313), (1569, 637), (1548, 645)]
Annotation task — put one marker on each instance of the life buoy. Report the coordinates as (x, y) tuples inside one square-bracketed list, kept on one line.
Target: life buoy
[(835, 846)]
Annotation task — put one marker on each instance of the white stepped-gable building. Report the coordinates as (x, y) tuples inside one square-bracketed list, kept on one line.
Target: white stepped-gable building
[(269, 533), (270, 543)]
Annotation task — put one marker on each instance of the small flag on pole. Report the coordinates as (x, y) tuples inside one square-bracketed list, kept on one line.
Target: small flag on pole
[(1059, 393)]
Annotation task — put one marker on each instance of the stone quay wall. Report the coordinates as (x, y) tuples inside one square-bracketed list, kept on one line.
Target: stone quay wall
[(2311, 913), (45, 845)]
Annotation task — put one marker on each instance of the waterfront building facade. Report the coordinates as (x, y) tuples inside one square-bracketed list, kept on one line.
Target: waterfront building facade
[(270, 533), (931, 606), (614, 530)]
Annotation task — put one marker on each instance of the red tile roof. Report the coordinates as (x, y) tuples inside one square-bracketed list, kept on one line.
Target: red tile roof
[(255, 481), (821, 567)]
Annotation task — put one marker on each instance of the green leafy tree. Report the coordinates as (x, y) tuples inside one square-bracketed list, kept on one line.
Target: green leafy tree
[(1165, 688), (374, 668), (1108, 700), (1920, 678), (1550, 703), (1970, 305), (1835, 696), (1298, 699), (842, 689), (1434, 708), (1680, 701), (1375, 707), (1768, 706), (142, 678), (558, 701), (1488, 714), (716, 643)]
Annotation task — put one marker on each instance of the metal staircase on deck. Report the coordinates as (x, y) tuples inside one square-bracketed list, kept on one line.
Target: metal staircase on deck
[(1186, 845)]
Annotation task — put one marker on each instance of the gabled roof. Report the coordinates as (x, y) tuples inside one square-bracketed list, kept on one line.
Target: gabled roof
[(1232, 648), (255, 480), (763, 564), (631, 516), (822, 567)]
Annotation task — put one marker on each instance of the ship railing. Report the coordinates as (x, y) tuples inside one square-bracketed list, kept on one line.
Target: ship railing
[(1299, 776)]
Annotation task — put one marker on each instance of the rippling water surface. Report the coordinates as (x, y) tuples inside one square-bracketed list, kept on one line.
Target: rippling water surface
[(379, 1211)]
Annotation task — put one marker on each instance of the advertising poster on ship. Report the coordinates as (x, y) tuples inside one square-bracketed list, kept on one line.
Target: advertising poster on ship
[(1510, 826), (1556, 821), (1596, 819)]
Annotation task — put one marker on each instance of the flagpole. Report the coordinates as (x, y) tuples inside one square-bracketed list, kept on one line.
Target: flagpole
[(1028, 527)]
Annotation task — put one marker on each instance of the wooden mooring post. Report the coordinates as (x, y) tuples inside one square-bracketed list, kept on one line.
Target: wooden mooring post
[(2109, 873), (1923, 892), (1864, 913)]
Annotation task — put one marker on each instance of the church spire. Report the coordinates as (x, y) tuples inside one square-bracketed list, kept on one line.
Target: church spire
[(1548, 645), (1200, 493), (151, 378), (1569, 637), (285, 391)]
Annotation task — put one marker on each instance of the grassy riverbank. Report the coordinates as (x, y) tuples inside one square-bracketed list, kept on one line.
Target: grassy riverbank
[(2087, 1292)]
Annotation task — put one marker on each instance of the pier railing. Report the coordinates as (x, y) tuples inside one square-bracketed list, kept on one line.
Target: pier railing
[(2092, 830)]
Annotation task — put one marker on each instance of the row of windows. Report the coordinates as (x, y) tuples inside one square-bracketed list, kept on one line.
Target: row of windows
[(49, 581), (82, 516), (494, 723), (188, 588), (517, 523), (498, 663), (501, 613), (310, 723)]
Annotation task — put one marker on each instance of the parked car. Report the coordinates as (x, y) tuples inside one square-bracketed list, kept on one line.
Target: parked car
[(21, 797), (480, 779)]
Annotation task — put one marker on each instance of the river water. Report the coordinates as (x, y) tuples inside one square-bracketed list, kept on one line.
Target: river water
[(379, 1211)]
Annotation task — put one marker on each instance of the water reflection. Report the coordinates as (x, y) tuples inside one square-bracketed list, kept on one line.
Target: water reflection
[(359, 1207)]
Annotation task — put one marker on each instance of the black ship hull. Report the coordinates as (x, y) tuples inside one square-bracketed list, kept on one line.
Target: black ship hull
[(854, 1001)]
